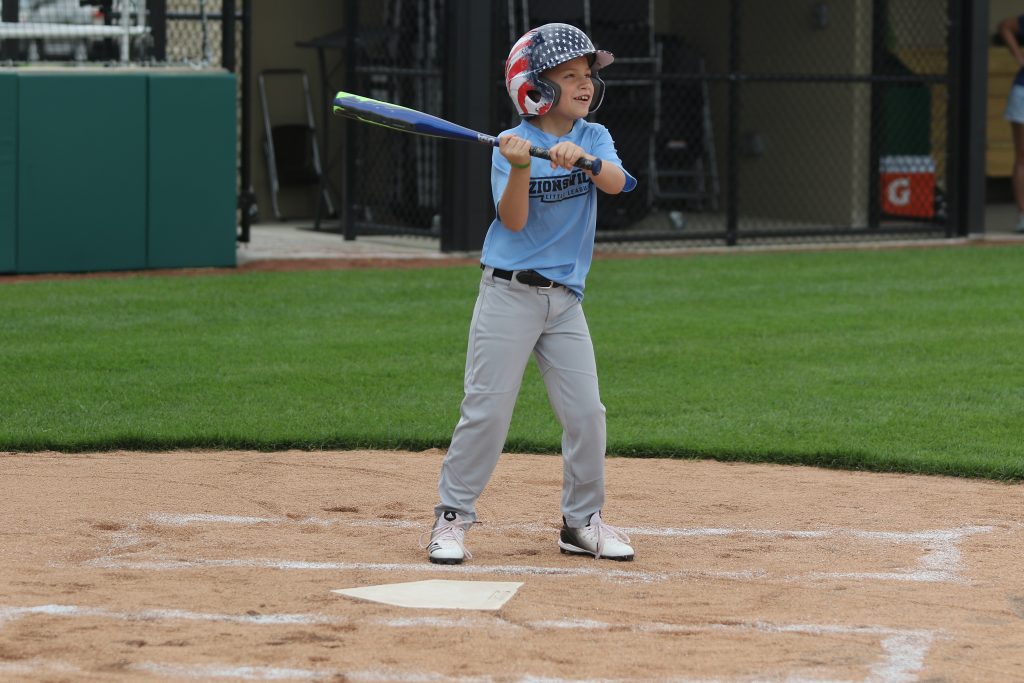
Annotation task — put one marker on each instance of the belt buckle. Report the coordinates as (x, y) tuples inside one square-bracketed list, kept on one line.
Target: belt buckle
[(550, 285)]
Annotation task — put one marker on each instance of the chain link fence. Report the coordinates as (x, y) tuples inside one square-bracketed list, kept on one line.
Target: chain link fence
[(743, 121), (110, 32), (195, 33), (395, 180), (73, 31)]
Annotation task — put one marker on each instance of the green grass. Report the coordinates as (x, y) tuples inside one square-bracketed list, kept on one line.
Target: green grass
[(885, 360)]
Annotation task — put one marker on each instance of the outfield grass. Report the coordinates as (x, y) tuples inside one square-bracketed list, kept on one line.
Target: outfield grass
[(903, 360)]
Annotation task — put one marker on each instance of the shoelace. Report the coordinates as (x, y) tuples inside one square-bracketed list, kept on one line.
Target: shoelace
[(450, 531), (604, 531)]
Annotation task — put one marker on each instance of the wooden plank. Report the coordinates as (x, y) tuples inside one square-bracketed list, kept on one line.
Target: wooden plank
[(1002, 70), (998, 163), (1001, 61)]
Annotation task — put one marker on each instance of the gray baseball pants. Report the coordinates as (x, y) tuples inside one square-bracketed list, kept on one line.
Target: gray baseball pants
[(511, 320)]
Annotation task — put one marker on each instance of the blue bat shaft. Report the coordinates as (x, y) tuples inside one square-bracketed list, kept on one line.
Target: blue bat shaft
[(412, 121)]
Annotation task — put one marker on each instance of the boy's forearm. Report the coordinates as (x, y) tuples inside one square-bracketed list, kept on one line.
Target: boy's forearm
[(514, 205), (610, 180)]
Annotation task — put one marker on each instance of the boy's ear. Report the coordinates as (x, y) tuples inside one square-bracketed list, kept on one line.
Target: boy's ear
[(554, 92)]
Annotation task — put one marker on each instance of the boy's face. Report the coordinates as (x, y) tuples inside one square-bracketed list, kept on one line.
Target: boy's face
[(573, 78)]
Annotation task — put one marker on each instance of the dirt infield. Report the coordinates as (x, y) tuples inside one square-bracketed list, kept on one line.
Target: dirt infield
[(220, 566)]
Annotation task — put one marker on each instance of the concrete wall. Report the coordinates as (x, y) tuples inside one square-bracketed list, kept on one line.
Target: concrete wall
[(1001, 9), (909, 28), (277, 27), (814, 137)]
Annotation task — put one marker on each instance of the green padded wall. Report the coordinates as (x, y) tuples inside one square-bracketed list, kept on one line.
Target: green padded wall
[(192, 169), (8, 171), (82, 172)]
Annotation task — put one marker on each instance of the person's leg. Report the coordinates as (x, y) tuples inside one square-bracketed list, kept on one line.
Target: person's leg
[(507, 321), (565, 355)]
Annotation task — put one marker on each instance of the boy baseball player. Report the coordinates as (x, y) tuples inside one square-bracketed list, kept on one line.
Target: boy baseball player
[(535, 261)]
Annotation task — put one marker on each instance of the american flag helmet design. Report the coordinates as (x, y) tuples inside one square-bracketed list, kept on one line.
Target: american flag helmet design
[(544, 48)]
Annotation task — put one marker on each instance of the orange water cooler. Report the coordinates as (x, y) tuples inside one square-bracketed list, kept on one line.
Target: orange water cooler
[(908, 186)]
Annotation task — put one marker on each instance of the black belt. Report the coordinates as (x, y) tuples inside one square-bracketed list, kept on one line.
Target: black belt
[(527, 277)]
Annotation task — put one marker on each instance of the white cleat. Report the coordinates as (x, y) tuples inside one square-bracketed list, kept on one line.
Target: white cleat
[(447, 539), (597, 539)]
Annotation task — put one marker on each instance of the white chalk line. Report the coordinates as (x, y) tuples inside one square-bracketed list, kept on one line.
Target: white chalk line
[(8, 614), (938, 535), (208, 672), (419, 567), (36, 666), (168, 519), (904, 650), (940, 561), (246, 673)]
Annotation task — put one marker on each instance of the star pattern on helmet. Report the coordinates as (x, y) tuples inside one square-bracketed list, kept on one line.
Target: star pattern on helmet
[(555, 44), (544, 48)]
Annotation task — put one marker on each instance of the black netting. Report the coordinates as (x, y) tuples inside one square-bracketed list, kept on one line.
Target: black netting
[(399, 59)]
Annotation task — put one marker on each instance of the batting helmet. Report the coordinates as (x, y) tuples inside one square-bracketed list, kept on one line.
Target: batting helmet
[(544, 48)]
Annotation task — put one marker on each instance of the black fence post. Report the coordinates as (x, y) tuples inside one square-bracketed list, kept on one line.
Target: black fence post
[(879, 22), (247, 199), (158, 26), (733, 172), (348, 187), (227, 35), (466, 206), (965, 168), (954, 113), (9, 13)]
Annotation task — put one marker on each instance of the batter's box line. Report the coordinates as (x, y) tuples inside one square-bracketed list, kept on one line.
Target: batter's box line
[(620, 575), (940, 561), (904, 650)]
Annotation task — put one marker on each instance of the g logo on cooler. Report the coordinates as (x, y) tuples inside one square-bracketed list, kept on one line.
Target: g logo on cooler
[(899, 192)]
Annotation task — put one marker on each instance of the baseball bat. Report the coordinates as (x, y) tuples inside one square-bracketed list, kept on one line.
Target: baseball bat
[(411, 121)]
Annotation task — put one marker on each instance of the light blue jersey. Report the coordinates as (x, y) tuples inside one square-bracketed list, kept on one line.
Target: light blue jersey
[(558, 239)]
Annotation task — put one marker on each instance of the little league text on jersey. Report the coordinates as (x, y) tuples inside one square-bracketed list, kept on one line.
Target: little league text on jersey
[(563, 187)]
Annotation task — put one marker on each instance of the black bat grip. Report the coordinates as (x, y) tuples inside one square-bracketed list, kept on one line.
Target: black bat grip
[(594, 166)]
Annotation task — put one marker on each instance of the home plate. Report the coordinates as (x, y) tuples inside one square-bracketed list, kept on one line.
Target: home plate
[(438, 594)]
